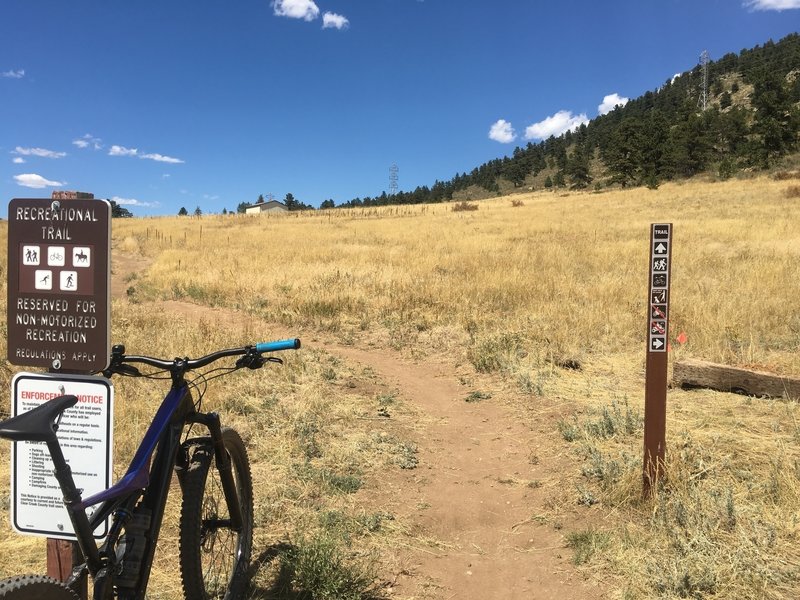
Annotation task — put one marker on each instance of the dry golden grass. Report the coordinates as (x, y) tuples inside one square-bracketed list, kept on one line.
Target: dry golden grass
[(517, 289), (566, 274)]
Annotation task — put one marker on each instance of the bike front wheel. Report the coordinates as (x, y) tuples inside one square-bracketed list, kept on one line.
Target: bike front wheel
[(35, 587), (215, 559)]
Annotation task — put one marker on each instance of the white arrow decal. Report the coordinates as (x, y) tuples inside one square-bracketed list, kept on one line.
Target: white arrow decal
[(661, 249), (657, 344)]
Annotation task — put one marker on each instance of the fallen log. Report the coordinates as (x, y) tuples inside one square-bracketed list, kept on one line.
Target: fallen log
[(691, 373)]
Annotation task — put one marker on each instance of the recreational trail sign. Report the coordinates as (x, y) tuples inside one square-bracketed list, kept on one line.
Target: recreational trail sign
[(59, 284)]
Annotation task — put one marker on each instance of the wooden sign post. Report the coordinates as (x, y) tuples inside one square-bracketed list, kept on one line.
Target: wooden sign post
[(655, 396)]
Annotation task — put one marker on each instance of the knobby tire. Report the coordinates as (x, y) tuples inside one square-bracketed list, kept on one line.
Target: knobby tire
[(215, 560), (35, 587)]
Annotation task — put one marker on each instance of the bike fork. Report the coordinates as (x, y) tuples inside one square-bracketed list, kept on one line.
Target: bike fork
[(223, 462)]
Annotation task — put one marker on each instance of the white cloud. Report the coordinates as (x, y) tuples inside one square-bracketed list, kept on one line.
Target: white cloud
[(18, 160), (40, 152), (88, 140), (333, 21), (13, 74), (610, 102), (32, 180), (122, 151), (556, 124), (778, 5), (502, 131), (132, 202), (296, 9), (161, 158)]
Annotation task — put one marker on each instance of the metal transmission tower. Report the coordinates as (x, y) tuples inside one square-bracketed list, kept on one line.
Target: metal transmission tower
[(702, 101), (393, 171)]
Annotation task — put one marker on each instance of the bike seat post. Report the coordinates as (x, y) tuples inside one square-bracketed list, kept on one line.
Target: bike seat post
[(72, 499)]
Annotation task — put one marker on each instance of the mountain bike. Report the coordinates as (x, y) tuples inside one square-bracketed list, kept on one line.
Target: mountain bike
[(216, 519)]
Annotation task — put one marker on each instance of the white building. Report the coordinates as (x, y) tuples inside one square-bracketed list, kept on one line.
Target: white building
[(262, 207)]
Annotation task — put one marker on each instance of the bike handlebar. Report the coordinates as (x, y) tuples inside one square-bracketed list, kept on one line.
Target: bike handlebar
[(187, 364)]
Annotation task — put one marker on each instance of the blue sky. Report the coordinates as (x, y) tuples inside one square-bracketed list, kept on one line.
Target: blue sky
[(209, 103)]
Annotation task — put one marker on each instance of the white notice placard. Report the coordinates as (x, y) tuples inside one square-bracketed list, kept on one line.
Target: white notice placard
[(86, 437)]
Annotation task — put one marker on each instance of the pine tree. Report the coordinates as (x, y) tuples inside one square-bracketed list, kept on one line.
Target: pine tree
[(774, 125), (578, 168)]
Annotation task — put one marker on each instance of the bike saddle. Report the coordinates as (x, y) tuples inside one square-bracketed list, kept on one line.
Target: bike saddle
[(38, 424)]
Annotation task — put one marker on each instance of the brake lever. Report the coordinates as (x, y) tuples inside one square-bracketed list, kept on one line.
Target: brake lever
[(122, 369)]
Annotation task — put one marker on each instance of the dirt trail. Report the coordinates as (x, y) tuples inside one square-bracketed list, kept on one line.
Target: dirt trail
[(474, 493)]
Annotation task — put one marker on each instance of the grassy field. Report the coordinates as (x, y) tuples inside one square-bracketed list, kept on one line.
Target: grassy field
[(517, 289)]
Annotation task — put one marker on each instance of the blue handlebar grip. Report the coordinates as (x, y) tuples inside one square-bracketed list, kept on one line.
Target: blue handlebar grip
[(293, 344)]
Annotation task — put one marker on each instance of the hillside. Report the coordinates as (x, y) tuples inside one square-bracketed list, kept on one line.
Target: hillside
[(750, 123)]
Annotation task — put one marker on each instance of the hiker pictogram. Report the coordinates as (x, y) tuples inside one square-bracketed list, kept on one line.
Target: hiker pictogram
[(30, 255)]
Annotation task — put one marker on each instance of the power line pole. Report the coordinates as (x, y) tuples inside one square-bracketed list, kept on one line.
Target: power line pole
[(702, 101), (393, 171)]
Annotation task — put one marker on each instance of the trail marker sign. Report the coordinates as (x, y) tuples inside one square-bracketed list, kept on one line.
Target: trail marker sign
[(59, 283), (655, 395)]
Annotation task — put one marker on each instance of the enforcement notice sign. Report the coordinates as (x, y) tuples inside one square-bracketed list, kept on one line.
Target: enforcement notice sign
[(86, 437), (59, 284)]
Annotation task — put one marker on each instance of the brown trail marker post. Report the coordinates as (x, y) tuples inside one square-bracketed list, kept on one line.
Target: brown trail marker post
[(59, 301), (655, 395)]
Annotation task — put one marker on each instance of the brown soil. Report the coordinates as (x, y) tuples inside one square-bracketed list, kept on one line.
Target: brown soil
[(485, 473)]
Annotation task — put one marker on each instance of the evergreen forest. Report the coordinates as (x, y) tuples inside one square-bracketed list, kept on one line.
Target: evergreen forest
[(749, 121)]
